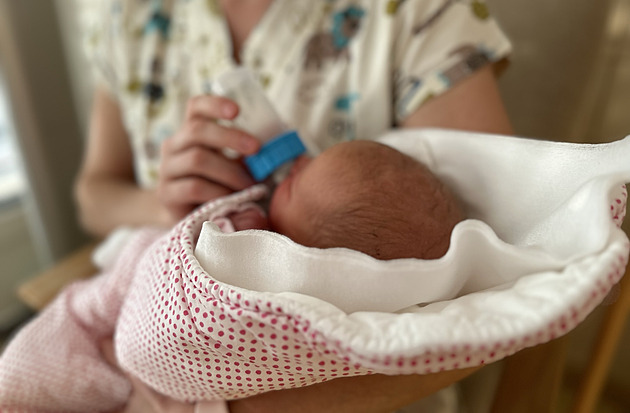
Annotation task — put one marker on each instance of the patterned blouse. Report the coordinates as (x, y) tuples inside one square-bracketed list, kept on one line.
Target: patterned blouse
[(336, 70)]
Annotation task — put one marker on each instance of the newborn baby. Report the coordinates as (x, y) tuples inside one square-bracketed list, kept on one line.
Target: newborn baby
[(364, 196)]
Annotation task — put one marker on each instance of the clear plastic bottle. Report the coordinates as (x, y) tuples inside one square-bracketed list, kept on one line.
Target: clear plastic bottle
[(257, 116)]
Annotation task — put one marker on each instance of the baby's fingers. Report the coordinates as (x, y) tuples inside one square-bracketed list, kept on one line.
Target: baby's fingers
[(251, 218)]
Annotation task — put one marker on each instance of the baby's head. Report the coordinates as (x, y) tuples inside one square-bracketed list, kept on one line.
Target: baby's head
[(368, 197)]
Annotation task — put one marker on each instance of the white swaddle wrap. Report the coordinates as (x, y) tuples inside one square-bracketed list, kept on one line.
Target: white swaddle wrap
[(252, 311)]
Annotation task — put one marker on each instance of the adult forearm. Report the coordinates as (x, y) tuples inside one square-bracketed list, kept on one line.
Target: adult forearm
[(367, 394), (107, 203)]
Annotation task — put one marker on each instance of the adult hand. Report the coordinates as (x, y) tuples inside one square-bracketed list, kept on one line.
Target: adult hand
[(193, 166)]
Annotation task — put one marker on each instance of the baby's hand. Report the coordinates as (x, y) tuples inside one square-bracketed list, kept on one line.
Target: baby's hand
[(251, 218)]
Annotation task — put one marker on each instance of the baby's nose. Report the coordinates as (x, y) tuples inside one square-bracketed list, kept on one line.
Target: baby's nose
[(299, 164)]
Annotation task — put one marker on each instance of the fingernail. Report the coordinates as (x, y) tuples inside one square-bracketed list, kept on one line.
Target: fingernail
[(247, 180), (249, 145), (229, 110)]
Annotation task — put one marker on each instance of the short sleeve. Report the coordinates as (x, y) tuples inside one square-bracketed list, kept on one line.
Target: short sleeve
[(438, 44)]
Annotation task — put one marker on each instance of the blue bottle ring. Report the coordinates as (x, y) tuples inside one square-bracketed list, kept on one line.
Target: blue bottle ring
[(275, 153)]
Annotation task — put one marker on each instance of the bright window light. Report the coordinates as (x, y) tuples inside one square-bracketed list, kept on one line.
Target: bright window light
[(12, 183)]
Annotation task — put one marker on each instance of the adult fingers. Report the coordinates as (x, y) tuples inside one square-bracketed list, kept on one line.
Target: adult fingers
[(194, 190), (201, 132), (206, 164), (211, 107), (181, 196)]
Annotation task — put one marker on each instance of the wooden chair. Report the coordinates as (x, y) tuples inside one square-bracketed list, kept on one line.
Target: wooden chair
[(39, 291)]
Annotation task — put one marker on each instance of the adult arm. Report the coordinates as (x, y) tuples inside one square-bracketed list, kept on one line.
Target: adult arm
[(475, 105), (369, 394), (106, 189)]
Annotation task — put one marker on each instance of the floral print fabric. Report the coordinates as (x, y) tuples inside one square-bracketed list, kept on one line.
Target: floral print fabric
[(335, 69)]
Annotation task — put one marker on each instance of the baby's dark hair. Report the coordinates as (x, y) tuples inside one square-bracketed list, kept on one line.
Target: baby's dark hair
[(389, 206)]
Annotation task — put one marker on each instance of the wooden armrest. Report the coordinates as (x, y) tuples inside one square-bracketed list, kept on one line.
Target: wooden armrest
[(39, 291)]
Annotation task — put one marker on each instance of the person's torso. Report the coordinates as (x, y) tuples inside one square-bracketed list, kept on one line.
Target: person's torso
[(324, 65)]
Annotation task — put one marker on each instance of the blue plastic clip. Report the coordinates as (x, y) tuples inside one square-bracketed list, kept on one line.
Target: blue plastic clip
[(273, 154)]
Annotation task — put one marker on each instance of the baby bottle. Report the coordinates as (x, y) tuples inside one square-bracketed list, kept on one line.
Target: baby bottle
[(257, 116)]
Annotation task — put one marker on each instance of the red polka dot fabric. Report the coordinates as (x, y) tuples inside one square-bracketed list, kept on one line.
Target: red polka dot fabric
[(54, 363), (192, 337)]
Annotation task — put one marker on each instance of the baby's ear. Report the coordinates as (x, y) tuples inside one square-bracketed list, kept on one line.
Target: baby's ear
[(251, 218)]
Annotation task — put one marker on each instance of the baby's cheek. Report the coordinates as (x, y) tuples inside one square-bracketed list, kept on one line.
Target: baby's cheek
[(276, 207)]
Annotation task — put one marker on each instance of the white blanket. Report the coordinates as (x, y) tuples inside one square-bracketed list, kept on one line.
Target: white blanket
[(534, 207)]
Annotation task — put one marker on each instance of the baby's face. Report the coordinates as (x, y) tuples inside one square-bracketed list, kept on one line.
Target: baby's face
[(306, 190)]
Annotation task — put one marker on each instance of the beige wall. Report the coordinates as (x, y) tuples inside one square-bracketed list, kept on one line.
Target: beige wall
[(81, 83), (560, 67)]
